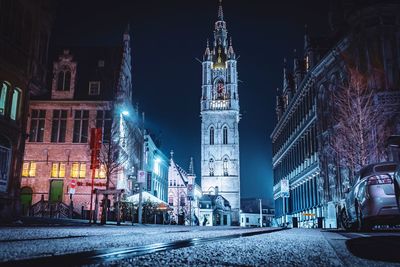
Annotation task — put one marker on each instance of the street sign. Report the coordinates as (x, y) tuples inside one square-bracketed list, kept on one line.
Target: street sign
[(285, 188), (141, 177), (72, 186), (190, 190)]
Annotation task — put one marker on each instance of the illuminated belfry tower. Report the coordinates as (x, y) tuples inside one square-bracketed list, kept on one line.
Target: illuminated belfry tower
[(220, 165)]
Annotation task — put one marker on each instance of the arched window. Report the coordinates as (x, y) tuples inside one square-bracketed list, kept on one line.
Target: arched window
[(225, 135), (67, 81), (15, 104), (64, 80), (60, 81), (225, 166), (3, 97), (211, 135), (211, 167)]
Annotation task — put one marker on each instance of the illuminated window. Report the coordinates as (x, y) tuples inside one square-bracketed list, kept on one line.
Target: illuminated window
[(58, 170), (78, 170), (307, 62), (15, 104), (29, 169), (225, 135), (156, 167), (64, 81), (211, 135), (101, 173), (3, 97)]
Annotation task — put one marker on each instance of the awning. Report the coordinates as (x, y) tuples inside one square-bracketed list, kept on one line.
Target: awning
[(146, 196)]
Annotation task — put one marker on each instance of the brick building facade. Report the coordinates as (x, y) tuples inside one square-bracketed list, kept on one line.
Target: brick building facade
[(25, 28), (91, 88)]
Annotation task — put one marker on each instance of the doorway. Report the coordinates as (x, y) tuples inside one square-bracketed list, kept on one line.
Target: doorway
[(26, 200), (56, 191)]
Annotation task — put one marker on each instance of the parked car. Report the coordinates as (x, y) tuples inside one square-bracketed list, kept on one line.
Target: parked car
[(372, 199)]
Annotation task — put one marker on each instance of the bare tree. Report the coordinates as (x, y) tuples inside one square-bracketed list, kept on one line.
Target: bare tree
[(361, 125), (118, 153)]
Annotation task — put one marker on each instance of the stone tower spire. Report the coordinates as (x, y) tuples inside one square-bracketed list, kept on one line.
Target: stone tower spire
[(191, 166), (220, 115), (220, 11)]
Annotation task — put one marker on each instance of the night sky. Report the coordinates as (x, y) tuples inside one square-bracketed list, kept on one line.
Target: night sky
[(167, 36)]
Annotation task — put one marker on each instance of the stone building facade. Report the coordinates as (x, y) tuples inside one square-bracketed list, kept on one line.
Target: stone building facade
[(156, 166), (25, 29), (91, 88), (220, 163), (183, 194), (365, 37)]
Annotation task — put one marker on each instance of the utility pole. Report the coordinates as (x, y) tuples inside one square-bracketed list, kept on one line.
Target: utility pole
[(142, 167)]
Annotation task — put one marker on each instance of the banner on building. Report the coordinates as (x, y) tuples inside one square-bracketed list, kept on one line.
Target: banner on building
[(285, 188), (141, 177), (190, 191)]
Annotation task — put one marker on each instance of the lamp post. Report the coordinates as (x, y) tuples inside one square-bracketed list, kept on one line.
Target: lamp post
[(261, 224)]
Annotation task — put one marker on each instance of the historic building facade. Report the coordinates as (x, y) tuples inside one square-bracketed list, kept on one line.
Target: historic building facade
[(91, 88), (183, 194), (25, 29), (365, 39), (220, 164), (156, 166)]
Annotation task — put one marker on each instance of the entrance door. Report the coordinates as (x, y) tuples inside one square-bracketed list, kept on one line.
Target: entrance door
[(26, 199), (56, 191)]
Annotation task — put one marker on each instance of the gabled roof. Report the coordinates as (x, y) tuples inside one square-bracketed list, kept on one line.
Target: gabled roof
[(212, 199)]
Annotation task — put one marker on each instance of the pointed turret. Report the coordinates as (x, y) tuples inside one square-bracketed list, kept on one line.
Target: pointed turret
[(307, 41), (207, 52), (220, 32), (279, 104), (191, 167), (231, 53), (220, 11)]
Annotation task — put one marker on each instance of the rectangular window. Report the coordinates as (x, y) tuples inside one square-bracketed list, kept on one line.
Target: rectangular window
[(59, 126), (171, 201), (58, 170), (78, 170), (3, 97), (37, 125), (149, 181), (182, 200), (103, 121), (94, 88), (29, 169), (81, 124), (15, 104), (101, 173)]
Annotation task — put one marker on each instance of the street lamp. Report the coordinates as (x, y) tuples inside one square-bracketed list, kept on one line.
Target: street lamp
[(125, 113)]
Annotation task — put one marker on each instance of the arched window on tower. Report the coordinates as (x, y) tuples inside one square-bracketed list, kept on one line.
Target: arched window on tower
[(211, 135), (211, 167), (225, 135), (225, 166)]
